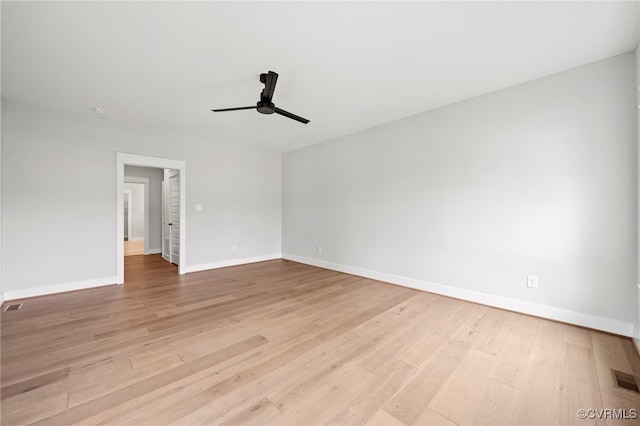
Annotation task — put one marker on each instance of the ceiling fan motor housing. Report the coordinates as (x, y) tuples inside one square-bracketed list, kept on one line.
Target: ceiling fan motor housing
[(266, 107)]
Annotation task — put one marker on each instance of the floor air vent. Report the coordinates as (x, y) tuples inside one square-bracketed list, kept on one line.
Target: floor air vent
[(625, 381), (13, 307)]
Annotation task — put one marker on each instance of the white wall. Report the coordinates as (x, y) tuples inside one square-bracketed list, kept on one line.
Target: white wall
[(238, 187), (155, 177), (1, 114), (469, 199), (136, 210), (1, 191), (637, 91)]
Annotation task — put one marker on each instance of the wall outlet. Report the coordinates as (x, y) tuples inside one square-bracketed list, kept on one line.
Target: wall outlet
[(532, 281), (234, 247), (198, 207), (319, 249)]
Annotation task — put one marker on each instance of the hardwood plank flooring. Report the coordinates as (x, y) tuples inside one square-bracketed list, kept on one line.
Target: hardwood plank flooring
[(132, 248), (283, 343)]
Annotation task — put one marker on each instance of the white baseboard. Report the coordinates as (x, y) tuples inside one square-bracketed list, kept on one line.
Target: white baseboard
[(58, 288), (136, 239), (154, 251), (232, 262), (548, 312)]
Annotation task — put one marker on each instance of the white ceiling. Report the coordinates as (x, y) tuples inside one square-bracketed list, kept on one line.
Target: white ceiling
[(346, 66)]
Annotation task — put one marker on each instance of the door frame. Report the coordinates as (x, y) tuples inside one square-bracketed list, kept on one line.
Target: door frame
[(123, 158), (144, 181)]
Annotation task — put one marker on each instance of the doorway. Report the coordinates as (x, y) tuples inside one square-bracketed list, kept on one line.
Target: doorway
[(136, 215), (136, 212), (178, 233)]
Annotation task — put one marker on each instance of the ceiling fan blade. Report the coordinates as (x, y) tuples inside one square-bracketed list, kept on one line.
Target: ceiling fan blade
[(269, 86), (234, 109), (289, 115)]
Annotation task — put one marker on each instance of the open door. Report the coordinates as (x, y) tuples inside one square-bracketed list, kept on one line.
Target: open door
[(174, 225), (166, 245), (171, 216)]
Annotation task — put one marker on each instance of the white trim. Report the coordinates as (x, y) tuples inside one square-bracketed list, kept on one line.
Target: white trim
[(136, 239), (155, 251), (123, 158), (549, 312), (136, 179), (145, 182), (58, 288), (232, 262)]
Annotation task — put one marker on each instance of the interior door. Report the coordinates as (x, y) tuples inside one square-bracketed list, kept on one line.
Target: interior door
[(174, 216), (166, 211)]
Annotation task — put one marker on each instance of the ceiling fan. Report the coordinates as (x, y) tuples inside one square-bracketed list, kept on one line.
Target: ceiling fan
[(265, 105)]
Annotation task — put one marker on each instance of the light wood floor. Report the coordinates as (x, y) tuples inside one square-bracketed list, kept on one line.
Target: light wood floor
[(283, 343), (132, 248)]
